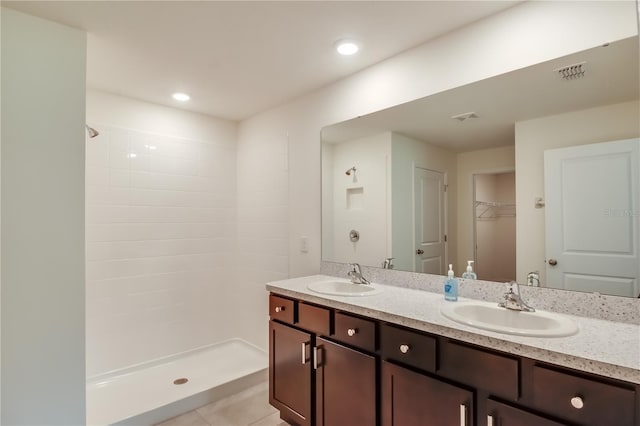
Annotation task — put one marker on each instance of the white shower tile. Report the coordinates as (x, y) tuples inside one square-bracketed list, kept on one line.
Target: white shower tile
[(264, 214), (96, 153), (95, 175), (96, 194), (160, 241), (139, 161), (117, 196), (275, 246), (264, 229), (119, 178), (119, 160)]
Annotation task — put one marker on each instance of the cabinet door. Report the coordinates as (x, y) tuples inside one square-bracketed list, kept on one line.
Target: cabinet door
[(499, 414), (345, 386), (413, 399), (290, 373)]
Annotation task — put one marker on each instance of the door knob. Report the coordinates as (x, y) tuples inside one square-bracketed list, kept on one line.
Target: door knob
[(419, 251), (553, 262)]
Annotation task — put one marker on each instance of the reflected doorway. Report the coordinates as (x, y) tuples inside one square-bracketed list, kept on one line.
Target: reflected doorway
[(494, 225)]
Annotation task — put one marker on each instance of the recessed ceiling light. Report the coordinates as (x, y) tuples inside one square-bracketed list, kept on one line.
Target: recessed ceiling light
[(347, 47), (182, 97)]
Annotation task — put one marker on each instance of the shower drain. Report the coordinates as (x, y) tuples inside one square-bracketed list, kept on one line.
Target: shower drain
[(180, 381)]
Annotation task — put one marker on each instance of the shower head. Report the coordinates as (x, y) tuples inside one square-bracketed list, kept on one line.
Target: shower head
[(91, 131), (348, 172)]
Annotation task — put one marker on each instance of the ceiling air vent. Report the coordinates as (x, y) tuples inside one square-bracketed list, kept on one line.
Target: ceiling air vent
[(465, 116), (572, 72)]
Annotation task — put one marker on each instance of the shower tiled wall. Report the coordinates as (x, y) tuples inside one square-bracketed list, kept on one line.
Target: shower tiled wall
[(160, 244)]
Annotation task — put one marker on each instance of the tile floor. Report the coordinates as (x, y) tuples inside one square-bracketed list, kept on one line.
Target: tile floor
[(247, 408)]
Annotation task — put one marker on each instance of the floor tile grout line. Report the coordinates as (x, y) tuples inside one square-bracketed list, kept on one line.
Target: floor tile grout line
[(202, 418), (261, 418)]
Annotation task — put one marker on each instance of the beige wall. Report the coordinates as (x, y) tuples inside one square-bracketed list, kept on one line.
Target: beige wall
[(490, 160), (533, 137)]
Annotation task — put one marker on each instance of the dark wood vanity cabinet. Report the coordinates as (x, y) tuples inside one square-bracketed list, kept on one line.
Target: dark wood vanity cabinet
[(290, 373), (314, 379), (345, 386), (500, 414), (410, 398), (333, 368)]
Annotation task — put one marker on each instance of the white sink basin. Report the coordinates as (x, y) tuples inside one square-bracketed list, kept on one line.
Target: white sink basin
[(489, 316), (344, 288)]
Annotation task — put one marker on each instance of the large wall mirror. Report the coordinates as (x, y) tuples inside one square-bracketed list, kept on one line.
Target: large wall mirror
[(533, 175)]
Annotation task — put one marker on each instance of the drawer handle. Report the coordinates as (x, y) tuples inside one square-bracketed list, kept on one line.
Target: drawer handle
[(404, 348), (489, 420), (279, 309), (577, 402), (352, 331), (463, 415), (315, 358)]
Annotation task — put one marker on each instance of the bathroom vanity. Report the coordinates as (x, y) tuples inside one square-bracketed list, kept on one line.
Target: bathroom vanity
[(392, 359)]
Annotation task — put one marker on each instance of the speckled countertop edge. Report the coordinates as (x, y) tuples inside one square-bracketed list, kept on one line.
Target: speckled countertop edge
[(607, 348)]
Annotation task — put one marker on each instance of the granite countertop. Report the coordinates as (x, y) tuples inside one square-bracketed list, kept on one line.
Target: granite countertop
[(602, 347)]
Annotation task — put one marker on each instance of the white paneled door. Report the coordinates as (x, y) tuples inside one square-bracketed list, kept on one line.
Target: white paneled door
[(592, 217), (429, 221)]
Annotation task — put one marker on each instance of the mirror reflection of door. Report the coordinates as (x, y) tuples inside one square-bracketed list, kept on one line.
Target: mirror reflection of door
[(597, 187), (429, 226), (494, 226)]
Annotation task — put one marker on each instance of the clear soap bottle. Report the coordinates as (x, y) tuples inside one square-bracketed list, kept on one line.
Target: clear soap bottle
[(470, 275)]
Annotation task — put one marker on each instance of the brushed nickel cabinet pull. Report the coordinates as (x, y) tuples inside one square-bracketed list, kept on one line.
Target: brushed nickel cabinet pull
[(315, 358), (463, 415)]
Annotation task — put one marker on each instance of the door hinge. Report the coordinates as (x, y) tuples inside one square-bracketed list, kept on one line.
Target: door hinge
[(445, 188), (445, 238)]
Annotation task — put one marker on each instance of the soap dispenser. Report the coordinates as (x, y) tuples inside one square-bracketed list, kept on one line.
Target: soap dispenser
[(470, 275), (451, 286)]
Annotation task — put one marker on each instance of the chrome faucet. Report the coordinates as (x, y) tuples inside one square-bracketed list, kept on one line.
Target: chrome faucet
[(533, 279), (356, 274), (513, 300), (388, 263)]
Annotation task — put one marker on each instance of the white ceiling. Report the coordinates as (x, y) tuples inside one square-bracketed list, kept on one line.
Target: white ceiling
[(612, 75), (238, 58)]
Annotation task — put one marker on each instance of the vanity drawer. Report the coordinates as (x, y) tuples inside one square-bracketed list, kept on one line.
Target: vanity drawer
[(496, 373), (355, 331), (281, 309), (408, 347), (582, 400), (314, 318)]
